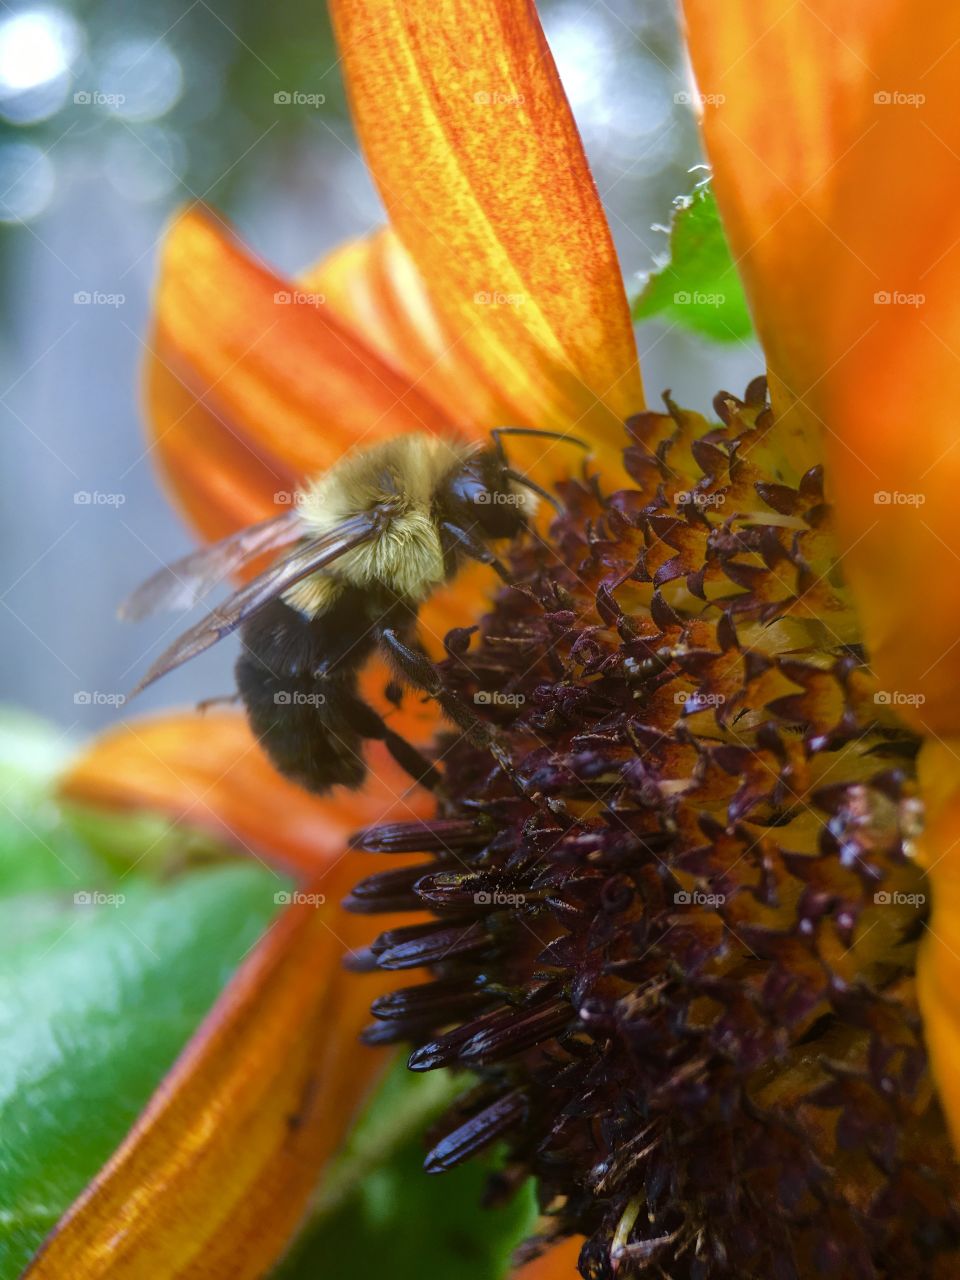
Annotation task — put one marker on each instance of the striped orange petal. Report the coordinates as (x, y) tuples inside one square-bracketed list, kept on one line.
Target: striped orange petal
[(374, 284), (835, 142), (253, 382), (939, 964), (784, 88), (205, 770), (558, 1263), (214, 1177), (471, 141), (216, 1174), (835, 139)]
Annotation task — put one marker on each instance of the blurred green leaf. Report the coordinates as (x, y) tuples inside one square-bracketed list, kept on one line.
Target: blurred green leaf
[(95, 1003), (98, 997), (379, 1213), (698, 286), (38, 847), (149, 844), (102, 980)]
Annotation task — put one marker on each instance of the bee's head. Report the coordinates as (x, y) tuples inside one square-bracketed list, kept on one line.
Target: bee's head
[(483, 496)]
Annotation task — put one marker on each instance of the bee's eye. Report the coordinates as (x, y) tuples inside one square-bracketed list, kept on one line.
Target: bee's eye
[(492, 510), (470, 491)]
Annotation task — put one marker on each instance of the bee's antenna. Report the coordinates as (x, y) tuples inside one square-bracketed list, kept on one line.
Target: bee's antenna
[(534, 488), (497, 432)]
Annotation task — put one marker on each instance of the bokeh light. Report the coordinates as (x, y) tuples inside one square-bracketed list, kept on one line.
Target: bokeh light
[(38, 48)]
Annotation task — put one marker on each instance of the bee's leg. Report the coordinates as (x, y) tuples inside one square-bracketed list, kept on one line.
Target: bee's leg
[(369, 724), (394, 692), (224, 700), (411, 761), (470, 546), (420, 671)]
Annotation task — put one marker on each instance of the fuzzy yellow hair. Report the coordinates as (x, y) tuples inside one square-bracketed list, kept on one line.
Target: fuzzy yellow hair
[(407, 556)]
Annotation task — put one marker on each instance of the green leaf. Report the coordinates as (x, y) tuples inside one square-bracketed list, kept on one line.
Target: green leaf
[(697, 287), (380, 1214), (38, 847), (95, 1003), (104, 975)]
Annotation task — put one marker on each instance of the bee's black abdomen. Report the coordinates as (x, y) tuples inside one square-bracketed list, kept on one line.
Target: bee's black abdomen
[(297, 677)]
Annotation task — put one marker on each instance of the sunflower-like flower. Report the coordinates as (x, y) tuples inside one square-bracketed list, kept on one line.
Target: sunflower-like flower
[(691, 890)]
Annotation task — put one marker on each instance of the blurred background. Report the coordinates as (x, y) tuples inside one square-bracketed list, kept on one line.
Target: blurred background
[(110, 117)]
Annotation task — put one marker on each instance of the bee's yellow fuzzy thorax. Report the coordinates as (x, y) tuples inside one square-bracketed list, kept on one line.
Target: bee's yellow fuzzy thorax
[(407, 557)]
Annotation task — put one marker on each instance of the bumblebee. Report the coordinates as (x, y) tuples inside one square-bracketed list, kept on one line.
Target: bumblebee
[(365, 544)]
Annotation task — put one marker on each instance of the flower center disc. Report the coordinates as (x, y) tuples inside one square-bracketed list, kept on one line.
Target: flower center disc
[(675, 911)]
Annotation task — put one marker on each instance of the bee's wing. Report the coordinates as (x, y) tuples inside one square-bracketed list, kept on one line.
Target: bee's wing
[(313, 555), (181, 585)]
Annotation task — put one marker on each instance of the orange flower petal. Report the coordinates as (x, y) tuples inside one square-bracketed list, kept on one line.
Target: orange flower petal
[(217, 481), (558, 1263), (786, 87), (214, 1177), (836, 146), (894, 386), (374, 283), (252, 383), (471, 141), (938, 973), (207, 771)]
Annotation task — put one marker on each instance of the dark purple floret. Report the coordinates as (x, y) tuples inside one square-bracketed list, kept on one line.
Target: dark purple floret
[(673, 905)]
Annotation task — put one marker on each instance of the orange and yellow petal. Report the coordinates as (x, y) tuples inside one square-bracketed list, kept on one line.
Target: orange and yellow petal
[(471, 141), (217, 481), (558, 1263), (787, 90), (374, 284), (939, 965), (215, 1176), (206, 771), (835, 142), (893, 392), (255, 381), (836, 145)]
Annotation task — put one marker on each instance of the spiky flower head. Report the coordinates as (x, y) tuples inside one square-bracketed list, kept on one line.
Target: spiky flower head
[(673, 904)]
